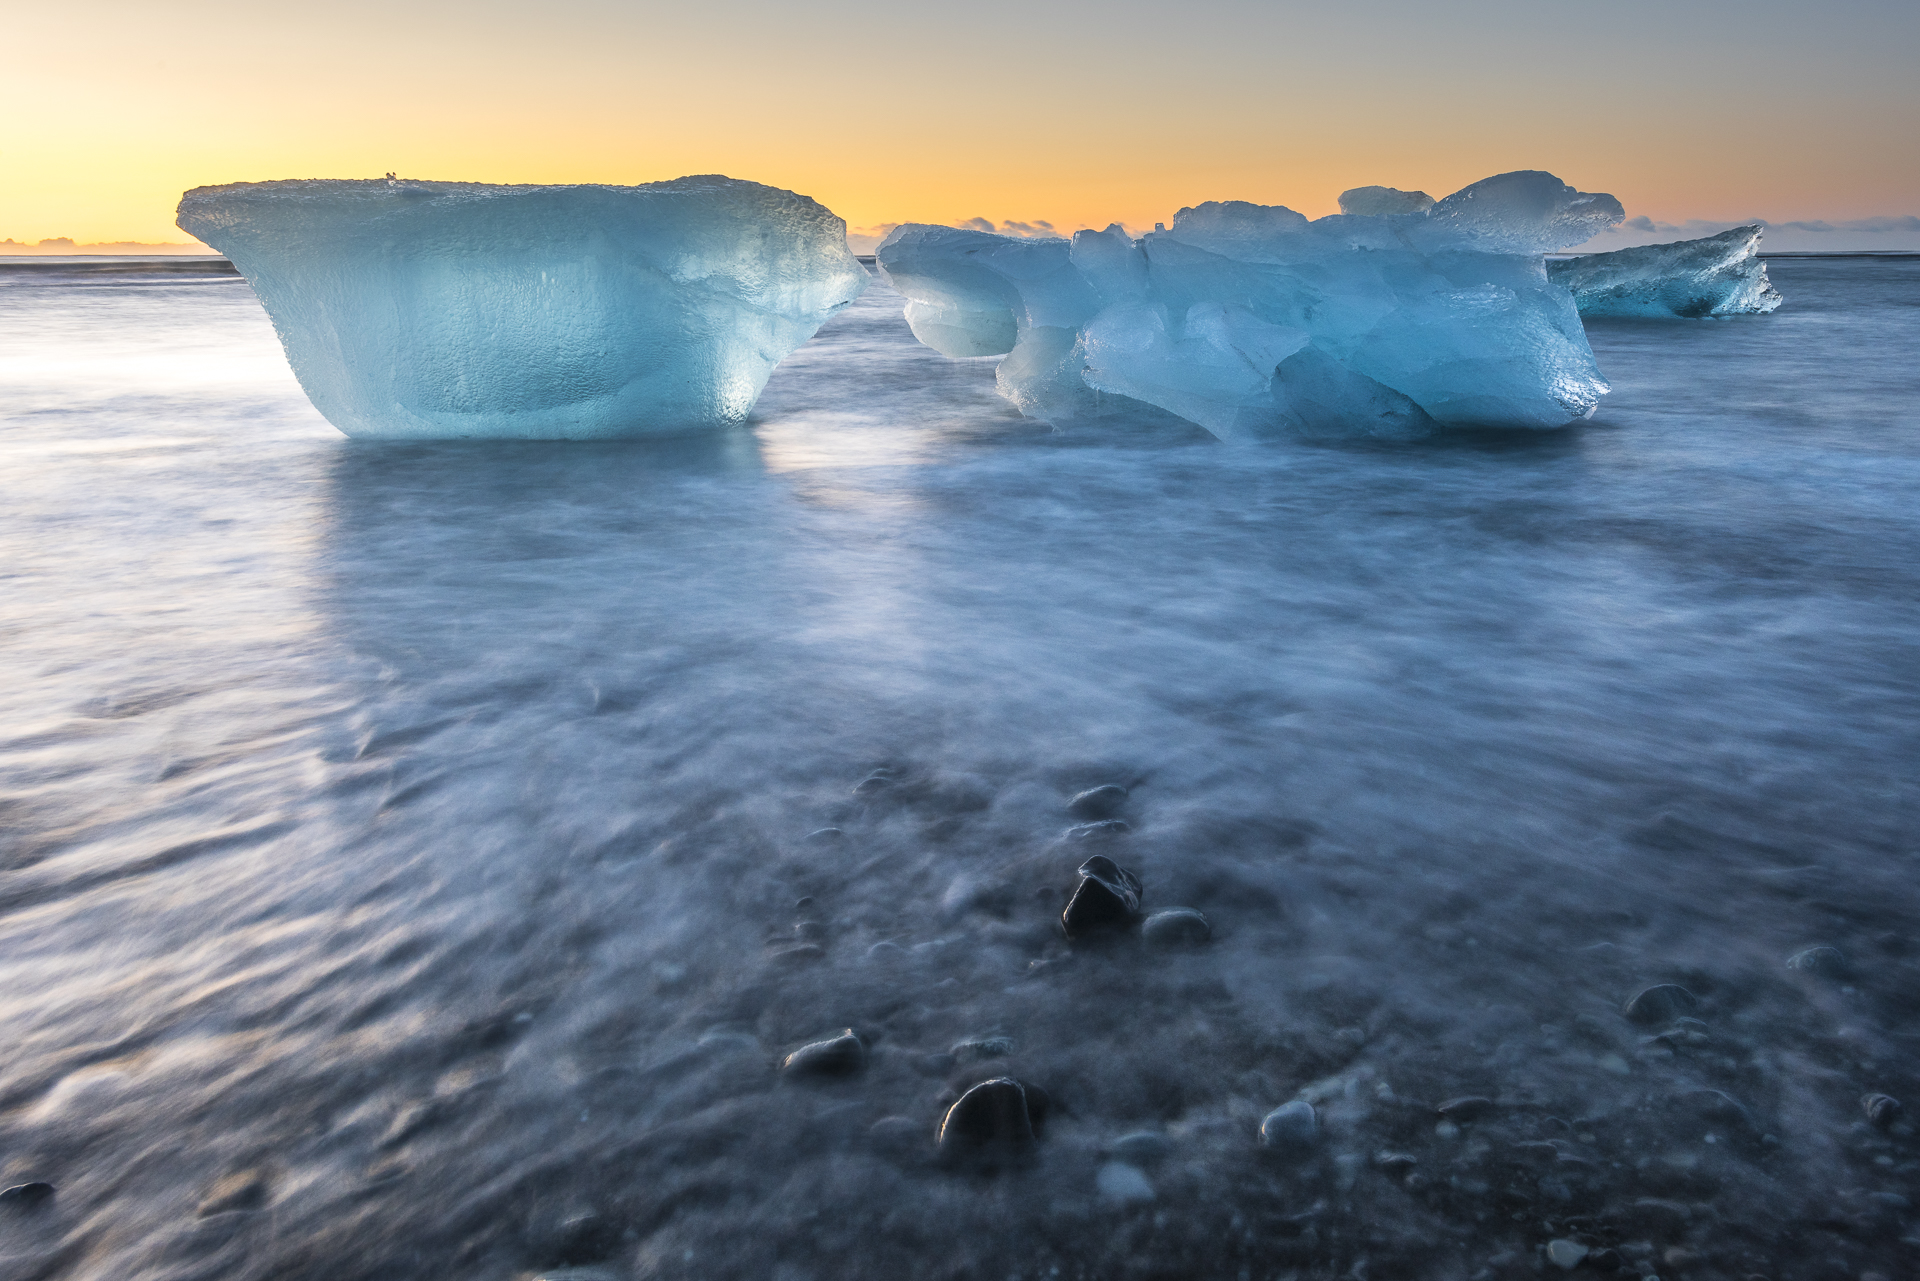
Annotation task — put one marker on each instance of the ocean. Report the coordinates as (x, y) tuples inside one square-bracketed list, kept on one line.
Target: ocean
[(416, 860)]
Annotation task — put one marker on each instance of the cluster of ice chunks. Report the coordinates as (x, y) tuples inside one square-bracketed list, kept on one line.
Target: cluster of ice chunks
[(445, 309), (1717, 276), (1393, 318)]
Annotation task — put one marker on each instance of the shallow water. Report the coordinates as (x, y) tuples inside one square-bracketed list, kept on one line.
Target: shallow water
[(414, 837)]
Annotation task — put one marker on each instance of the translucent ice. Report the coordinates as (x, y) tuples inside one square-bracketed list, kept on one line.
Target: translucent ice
[(444, 309), (1718, 276), (1392, 318)]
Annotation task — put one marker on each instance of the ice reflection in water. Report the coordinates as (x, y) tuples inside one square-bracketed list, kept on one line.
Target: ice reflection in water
[(406, 848)]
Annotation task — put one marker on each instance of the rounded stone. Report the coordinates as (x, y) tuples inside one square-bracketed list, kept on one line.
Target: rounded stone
[(1822, 962), (991, 1118), (1661, 1003), (836, 1056), (1566, 1254), (1108, 895), (1467, 1108), (1176, 927), (26, 1196), (1881, 1109), (1099, 802), (1291, 1129), (1123, 1183)]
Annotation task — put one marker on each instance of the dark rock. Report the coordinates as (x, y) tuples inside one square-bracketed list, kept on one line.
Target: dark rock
[(1661, 1003), (26, 1196), (1652, 1217), (825, 836), (1881, 1109), (1715, 1106), (809, 930), (1095, 831), (1098, 802), (585, 1237), (1606, 1260), (1395, 1162), (1822, 962), (992, 1119), (878, 781), (897, 1134), (1291, 1129), (803, 903), (837, 1056), (1176, 927), (244, 1190), (1108, 895), (798, 955), (1467, 1108)]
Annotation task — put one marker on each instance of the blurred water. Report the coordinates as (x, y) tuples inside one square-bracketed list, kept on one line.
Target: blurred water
[(413, 837)]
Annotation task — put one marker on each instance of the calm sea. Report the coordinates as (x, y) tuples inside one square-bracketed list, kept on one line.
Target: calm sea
[(405, 855)]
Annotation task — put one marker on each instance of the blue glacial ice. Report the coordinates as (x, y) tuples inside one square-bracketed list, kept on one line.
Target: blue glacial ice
[(1717, 276), (1396, 318), (413, 310)]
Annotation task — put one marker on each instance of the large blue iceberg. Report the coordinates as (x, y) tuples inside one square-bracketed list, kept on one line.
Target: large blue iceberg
[(1398, 317), (1717, 276), (449, 309)]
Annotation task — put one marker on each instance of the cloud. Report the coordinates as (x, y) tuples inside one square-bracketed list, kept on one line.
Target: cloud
[(1892, 232)]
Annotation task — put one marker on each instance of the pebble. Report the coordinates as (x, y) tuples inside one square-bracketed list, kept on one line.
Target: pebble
[(1292, 1128), (836, 1056), (896, 1133), (1661, 1003), (878, 781), (245, 1190), (1121, 1182), (1881, 1109), (26, 1196), (885, 951), (1108, 895), (992, 1117), (1466, 1108), (1103, 801), (1565, 1253), (1823, 962), (1176, 927), (1094, 831), (1142, 1147)]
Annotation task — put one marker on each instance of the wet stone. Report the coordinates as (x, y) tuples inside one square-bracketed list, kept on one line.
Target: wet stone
[(244, 1190), (1821, 962), (1661, 1003), (26, 1196), (878, 781), (992, 1118), (1881, 1109), (1291, 1129), (1466, 1108), (1566, 1254), (1123, 1183), (1099, 802), (841, 1055), (1176, 927), (800, 955), (1108, 896)]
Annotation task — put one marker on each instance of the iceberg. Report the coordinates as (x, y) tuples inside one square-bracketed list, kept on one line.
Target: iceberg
[(429, 310), (1716, 276), (1397, 317)]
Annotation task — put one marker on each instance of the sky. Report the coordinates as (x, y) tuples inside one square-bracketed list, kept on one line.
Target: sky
[(1693, 112)]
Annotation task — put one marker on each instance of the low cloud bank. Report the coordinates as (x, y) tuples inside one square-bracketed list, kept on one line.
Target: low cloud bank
[(1895, 232), (65, 245)]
